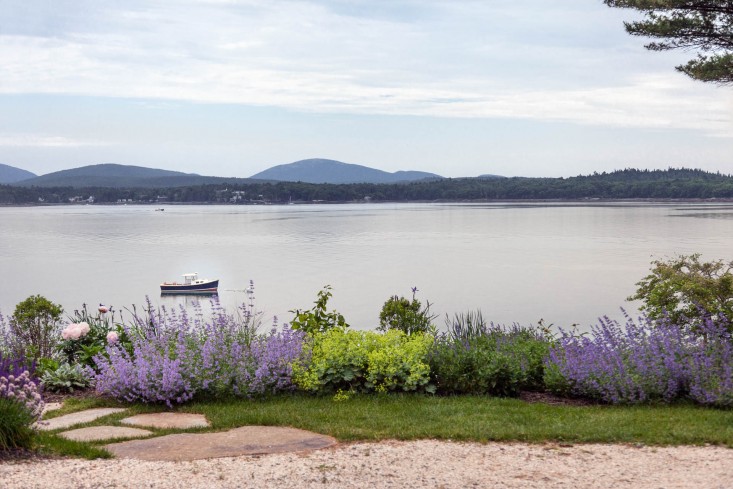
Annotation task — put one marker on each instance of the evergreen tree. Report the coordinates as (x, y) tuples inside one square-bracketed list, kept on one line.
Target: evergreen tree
[(702, 25)]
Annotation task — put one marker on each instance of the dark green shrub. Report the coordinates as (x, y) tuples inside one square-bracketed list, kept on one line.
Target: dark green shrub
[(494, 361), (34, 328), (408, 316)]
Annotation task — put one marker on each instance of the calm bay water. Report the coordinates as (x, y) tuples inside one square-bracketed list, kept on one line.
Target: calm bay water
[(566, 263)]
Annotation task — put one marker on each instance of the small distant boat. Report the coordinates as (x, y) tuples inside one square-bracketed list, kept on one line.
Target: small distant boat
[(192, 284)]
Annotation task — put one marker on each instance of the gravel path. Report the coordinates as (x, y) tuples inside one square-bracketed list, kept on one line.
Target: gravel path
[(395, 464)]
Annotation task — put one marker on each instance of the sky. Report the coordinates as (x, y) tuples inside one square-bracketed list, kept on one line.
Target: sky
[(454, 87)]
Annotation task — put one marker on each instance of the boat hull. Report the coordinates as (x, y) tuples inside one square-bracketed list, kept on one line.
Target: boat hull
[(210, 287)]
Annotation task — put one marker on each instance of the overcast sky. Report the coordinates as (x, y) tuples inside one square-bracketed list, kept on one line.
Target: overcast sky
[(455, 87)]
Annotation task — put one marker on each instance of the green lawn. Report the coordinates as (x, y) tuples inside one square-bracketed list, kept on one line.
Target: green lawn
[(465, 418)]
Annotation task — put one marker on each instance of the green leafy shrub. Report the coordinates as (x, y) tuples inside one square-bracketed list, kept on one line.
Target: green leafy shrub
[(408, 316), (67, 378), (492, 360), (318, 319), (366, 361), (33, 330), (683, 287)]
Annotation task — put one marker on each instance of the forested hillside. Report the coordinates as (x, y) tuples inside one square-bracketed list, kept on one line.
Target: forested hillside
[(623, 184)]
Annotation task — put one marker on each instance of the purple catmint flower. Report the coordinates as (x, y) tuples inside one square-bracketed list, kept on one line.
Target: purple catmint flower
[(174, 356), (648, 360)]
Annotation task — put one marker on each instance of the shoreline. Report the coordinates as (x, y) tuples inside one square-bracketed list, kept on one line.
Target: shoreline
[(585, 201)]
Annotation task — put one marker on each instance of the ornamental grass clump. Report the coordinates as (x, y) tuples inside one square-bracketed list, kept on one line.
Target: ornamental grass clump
[(21, 405), (474, 357), (648, 360)]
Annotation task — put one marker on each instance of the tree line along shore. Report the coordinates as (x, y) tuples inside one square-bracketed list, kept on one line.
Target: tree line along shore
[(619, 185)]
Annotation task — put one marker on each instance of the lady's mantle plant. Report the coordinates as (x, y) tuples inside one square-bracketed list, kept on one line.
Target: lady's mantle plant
[(366, 361)]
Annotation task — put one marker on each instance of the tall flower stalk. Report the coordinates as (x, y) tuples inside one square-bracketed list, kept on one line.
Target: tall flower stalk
[(170, 356), (646, 360)]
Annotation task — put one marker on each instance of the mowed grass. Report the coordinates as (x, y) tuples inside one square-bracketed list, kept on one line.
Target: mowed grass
[(460, 418), (473, 418)]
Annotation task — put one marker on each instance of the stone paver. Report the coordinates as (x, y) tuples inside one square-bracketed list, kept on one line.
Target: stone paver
[(168, 420), (247, 440), (76, 418), (96, 433), (51, 406)]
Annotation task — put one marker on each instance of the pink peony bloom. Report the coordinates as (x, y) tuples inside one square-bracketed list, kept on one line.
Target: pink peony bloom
[(84, 328), (74, 331), (103, 309), (112, 338), (71, 332)]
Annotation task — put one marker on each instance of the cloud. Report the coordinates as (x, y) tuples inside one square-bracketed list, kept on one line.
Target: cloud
[(460, 59), (44, 141)]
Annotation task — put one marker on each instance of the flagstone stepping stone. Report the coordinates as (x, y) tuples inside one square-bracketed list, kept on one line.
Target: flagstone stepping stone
[(168, 420), (247, 440), (96, 433), (76, 418), (51, 406)]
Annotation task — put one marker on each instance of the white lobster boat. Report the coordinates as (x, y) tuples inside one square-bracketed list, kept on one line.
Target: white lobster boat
[(191, 284)]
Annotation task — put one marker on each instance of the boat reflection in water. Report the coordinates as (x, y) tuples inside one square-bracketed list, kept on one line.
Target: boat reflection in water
[(191, 284)]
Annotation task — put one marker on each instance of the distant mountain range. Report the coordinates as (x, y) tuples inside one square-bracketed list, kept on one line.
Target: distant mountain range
[(122, 176), (11, 174), (128, 176), (330, 171)]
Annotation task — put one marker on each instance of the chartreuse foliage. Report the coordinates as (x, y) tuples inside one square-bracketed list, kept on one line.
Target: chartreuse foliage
[(365, 361)]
